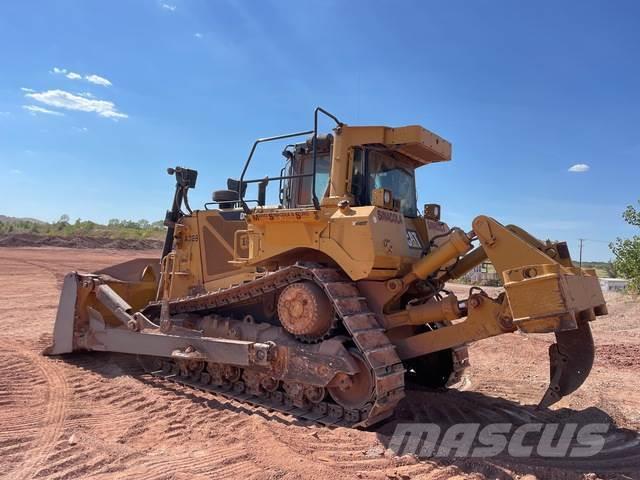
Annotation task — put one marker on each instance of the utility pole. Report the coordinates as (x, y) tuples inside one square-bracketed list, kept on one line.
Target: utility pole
[(581, 240)]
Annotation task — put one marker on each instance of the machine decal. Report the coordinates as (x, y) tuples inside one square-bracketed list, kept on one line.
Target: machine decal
[(413, 240), (388, 216), (285, 216)]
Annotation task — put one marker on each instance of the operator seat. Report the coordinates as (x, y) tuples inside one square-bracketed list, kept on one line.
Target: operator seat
[(229, 198)]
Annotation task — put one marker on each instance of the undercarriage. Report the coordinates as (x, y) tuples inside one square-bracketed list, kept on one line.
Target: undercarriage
[(352, 376)]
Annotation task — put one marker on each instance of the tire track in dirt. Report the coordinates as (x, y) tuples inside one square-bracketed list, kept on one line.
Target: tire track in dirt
[(134, 416), (115, 417), (620, 449), (352, 452), (45, 395), (43, 406), (19, 430), (229, 462), (358, 451), (46, 407)]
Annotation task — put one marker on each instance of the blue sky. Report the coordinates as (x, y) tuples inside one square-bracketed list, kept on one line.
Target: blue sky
[(97, 98)]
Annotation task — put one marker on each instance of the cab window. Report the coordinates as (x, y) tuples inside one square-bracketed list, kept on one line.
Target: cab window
[(396, 175), (374, 169), (304, 185)]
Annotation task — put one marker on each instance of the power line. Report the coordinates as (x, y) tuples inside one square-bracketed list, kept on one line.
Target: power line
[(581, 241), (597, 241)]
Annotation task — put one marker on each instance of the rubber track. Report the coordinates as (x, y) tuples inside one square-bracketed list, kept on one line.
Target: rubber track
[(360, 322)]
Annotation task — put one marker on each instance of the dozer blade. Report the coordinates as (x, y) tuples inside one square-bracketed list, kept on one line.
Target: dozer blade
[(64, 325), (571, 359), (134, 280)]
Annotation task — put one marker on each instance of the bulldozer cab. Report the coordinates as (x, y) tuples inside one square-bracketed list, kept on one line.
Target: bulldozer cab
[(366, 166), (374, 173)]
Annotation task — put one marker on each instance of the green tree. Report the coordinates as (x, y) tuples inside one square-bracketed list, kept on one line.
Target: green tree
[(129, 224), (627, 251)]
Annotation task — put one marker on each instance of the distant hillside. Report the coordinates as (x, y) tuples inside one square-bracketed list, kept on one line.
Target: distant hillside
[(6, 219)]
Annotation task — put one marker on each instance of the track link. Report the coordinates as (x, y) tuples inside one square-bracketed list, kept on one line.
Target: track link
[(359, 321)]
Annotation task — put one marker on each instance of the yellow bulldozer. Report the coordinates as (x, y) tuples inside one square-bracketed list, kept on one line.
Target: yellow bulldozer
[(333, 300)]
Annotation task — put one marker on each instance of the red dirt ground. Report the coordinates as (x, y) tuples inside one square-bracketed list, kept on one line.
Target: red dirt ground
[(95, 415)]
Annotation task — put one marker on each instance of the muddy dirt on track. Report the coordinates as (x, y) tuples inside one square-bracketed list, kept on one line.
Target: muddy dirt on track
[(98, 416)]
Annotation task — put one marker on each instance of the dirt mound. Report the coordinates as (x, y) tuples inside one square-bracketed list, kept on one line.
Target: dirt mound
[(31, 240)]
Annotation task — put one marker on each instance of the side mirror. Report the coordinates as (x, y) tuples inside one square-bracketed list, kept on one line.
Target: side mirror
[(185, 177)]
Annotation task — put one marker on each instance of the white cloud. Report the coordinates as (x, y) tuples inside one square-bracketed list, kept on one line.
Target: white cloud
[(169, 7), (25, 89), (15, 171), (80, 129), (86, 94), (63, 99), (579, 168), (98, 80), (34, 110), (198, 35), (93, 78)]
